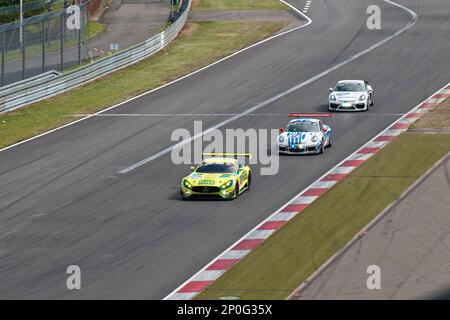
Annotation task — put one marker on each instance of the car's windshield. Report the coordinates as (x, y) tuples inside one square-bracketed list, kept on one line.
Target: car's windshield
[(303, 127), (216, 168), (349, 87)]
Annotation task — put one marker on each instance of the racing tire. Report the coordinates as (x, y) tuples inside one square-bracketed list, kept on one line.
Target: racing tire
[(249, 181), (236, 192), (322, 149), (330, 143), (182, 196), (372, 101)]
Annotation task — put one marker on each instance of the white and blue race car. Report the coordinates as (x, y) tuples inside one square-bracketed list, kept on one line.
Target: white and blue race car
[(304, 135)]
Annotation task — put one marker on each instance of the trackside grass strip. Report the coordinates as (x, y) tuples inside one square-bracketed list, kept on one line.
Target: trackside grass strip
[(199, 44), (294, 252), (239, 5)]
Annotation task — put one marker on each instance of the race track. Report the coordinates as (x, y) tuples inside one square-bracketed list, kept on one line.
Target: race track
[(63, 201)]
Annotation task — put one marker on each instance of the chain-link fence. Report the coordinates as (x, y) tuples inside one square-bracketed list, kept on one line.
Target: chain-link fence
[(43, 42)]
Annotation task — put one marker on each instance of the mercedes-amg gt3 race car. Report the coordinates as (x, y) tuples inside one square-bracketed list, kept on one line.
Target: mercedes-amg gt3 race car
[(220, 176), (351, 95), (304, 135)]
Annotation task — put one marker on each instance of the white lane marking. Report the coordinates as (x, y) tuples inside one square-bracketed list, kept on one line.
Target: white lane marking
[(209, 275), (343, 170), (315, 183), (276, 97), (260, 234), (112, 115), (282, 216), (235, 254), (183, 296), (308, 22), (304, 199)]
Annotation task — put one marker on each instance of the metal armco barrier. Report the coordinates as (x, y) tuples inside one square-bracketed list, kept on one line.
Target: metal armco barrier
[(51, 83)]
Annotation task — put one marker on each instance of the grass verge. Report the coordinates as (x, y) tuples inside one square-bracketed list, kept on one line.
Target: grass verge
[(239, 5), (293, 253), (199, 44)]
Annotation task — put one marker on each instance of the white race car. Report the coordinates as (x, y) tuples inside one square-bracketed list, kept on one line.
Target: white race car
[(351, 95), (304, 135)]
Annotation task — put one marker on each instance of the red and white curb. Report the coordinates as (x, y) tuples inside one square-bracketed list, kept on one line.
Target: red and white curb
[(275, 221)]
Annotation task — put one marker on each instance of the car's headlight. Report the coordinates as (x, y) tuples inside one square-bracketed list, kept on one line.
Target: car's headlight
[(187, 184), (227, 185), (363, 97), (281, 139), (333, 97), (315, 138)]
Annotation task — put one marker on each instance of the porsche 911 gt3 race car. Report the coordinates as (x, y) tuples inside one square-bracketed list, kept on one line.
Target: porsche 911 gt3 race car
[(304, 135), (351, 95), (217, 177)]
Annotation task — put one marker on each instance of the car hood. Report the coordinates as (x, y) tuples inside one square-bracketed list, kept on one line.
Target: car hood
[(209, 179), (348, 96), (295, 138)]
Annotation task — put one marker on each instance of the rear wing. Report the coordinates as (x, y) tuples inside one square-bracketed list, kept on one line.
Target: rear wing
[(311, 115), (226, 155)]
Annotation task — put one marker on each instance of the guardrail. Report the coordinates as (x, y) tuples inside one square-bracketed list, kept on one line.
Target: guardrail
[(51, 83)]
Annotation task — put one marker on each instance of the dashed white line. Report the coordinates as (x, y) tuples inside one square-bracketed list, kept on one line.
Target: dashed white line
[(279, 95)]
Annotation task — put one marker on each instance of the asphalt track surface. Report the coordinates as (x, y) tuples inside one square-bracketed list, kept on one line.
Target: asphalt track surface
[(63, 202)]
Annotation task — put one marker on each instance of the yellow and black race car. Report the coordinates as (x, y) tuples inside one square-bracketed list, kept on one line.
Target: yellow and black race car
[(220, 176)]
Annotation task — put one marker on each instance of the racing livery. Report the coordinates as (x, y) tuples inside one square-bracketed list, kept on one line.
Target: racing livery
[(217, 177), (304, 135), (351, 95)]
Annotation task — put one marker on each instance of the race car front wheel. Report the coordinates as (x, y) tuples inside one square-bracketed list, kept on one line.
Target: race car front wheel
[(322, 149), (249, 181), (236, 192)]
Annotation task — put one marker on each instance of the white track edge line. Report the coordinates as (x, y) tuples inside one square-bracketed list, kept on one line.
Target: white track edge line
[(295, 197), (323, 267), (309, 21), (280, 95), (409, 25)]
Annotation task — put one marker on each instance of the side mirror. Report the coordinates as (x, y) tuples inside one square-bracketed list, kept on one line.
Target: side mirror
[(324, 130), (192, 168), (331, 90), (281, 130)]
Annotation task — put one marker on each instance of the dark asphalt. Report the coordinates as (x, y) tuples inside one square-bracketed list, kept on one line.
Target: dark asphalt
[(63, 202), (410, 244)]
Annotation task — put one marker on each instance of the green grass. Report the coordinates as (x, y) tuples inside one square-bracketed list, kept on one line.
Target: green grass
[(293, 253), (199, 44), (439, 118), (239, 5), (95, 29)]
